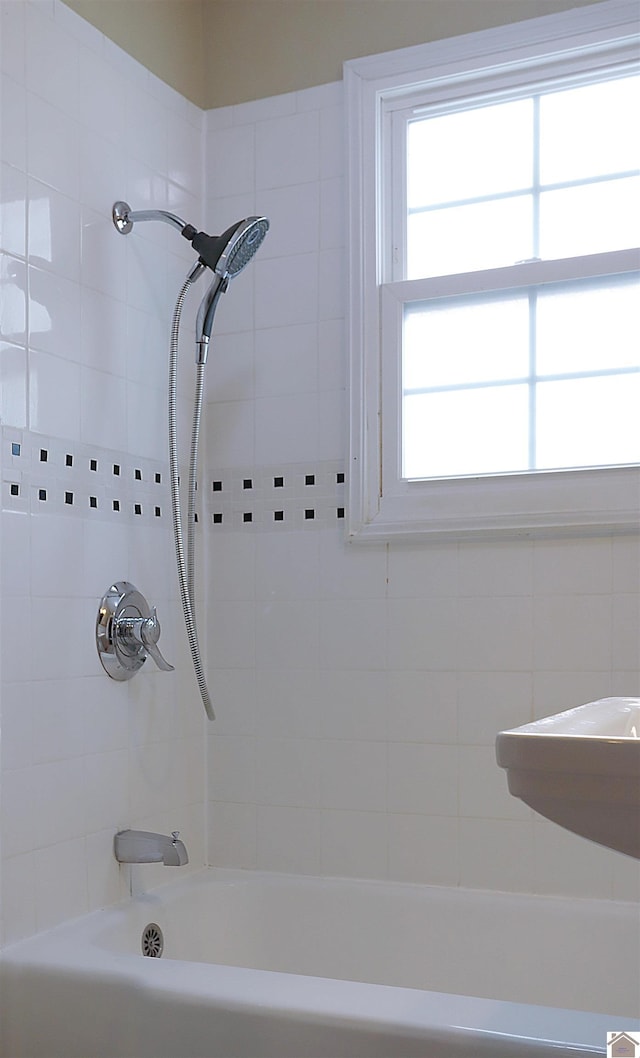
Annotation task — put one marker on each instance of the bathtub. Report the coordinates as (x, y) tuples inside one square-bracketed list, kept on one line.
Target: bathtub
[(260, 965)]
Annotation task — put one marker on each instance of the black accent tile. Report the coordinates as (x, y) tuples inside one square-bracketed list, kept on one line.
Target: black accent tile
[(137, 474), (340, 512), (340, 478), (93, 464), (278, 483), (116, 505), (93, 501), (247, 483), (157, 512), (217, 486), (68, 497), (217, 518), (44, 455), (247, 516), (309, 514), (137, 508), (68, 460), (309, 479), (42, 494), (16, 448), (15, 490), (278, 516), (158, 478), (116, 469)]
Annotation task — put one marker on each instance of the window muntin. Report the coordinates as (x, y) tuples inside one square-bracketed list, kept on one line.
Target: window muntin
[(485, 379), (473, 369), (555, 174)]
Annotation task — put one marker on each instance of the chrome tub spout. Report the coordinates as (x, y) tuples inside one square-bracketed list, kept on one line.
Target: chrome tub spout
[(143, 846)]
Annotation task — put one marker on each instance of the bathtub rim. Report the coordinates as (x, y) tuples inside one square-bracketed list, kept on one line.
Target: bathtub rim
[(73, 949)]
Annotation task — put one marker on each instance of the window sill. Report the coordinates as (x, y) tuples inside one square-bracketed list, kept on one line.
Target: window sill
[(593, 502)]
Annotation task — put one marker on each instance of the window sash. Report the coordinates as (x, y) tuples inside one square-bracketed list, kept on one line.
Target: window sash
[(395, 297)]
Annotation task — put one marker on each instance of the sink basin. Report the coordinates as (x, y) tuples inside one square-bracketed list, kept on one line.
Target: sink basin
[(581, 769)]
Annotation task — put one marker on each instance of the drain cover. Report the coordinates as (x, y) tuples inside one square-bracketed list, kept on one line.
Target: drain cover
[(152, 941)]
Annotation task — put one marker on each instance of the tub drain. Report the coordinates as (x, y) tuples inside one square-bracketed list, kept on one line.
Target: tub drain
[(152, 941)]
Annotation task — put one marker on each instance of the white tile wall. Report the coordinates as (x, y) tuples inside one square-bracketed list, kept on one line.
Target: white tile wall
[(84, 323), (360, 689)]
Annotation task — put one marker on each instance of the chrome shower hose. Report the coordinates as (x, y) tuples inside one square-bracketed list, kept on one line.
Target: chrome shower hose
[(186, 567)]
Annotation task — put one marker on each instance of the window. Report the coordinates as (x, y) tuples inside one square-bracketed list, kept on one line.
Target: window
[(494, 331)]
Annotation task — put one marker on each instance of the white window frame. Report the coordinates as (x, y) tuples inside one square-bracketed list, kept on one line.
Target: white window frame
[(381, 504)]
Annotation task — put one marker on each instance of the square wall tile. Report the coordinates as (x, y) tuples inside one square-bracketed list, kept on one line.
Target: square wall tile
[(13, 115), (572, 632), (497, 854), (230, 160), (287, 772), (13, 211), (423, 849), (232, 835), (288, 839), (294, 216), (354, 844), (353, 775), (18, 880), (54, 146), (422, 706), (289, 294), (61, 883), (288, 150), (13, 299), (423, 778)]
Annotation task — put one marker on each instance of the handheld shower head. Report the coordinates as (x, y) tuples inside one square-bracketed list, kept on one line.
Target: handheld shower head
[(227, 254)]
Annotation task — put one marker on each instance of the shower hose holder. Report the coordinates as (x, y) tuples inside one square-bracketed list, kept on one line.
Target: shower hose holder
[(127, 632)]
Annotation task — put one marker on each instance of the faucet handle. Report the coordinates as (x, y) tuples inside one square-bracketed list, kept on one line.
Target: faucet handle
[(150, 634), (175, 834), (127, 629)]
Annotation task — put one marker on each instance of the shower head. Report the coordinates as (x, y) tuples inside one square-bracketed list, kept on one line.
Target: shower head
[(227, 254)]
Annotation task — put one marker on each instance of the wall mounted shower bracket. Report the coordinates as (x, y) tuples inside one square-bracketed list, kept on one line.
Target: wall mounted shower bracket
[(127, 632)]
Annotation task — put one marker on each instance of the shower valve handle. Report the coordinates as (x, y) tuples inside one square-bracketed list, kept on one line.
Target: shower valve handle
[(149, 636), (127, 631)]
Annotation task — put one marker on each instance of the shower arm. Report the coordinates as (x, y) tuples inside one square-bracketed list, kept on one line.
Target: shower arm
[(124, 217)]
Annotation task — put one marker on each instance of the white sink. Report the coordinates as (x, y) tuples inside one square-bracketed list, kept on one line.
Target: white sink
[(581, 769)]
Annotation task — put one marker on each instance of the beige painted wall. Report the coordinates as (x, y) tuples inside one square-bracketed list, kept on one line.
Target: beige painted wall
[(264, 47), (218, 52), (164, 35)]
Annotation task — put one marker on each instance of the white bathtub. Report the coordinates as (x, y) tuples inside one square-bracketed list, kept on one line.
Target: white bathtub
[(261, 965)]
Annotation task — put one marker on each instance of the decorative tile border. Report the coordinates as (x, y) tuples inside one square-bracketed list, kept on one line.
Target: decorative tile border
[(287, 496), (46, 475)]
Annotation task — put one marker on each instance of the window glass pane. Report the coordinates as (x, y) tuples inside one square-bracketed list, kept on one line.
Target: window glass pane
[(590, 219), (478, 340), (590, 131), (588, 328), (462, 155), (588, 422), (466, 238), (472, 431)]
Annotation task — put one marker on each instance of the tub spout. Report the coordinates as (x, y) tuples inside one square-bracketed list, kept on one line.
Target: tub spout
[(175, 854), (142, 846)]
